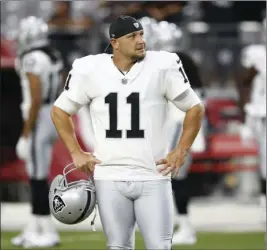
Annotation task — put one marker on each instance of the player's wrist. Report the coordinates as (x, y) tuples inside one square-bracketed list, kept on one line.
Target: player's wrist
[(75, 151), (182, 149)]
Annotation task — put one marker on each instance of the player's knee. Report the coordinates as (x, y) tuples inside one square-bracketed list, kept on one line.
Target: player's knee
[(42, 175)]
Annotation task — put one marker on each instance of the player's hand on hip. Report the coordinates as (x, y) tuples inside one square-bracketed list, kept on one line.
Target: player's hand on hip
[(173, 162), (23, 148), (85, 161)]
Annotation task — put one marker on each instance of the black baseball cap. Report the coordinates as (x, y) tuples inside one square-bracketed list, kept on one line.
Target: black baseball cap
[(122, 26)]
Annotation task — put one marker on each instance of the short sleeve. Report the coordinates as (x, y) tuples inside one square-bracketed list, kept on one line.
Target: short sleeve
[(34, 63), (75, 86), (176, 81), (247, 58)]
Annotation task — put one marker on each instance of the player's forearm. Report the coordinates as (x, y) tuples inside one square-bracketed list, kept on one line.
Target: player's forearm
[(33, 115), (191, 126), (65, 128)]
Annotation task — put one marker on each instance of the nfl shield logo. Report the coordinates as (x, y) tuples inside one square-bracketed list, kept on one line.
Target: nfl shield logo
[(124, 81), (136, 25)]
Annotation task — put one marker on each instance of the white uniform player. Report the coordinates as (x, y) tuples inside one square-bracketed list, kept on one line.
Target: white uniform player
[(254, 60), (39, 62), (116, 112), (39, 67), (128, 111), (255, 56)]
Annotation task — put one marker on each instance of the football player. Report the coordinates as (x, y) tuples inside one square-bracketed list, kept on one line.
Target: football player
[(169, 37), (253, 60), (39, 67), (128, 94)]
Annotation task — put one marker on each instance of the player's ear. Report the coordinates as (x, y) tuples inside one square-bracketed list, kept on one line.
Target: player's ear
[(114, 43)]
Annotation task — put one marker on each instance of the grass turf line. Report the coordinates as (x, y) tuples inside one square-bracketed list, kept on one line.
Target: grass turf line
[(206, 241)]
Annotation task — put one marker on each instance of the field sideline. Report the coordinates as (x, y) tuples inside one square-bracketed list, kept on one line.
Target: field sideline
[(221, 224)]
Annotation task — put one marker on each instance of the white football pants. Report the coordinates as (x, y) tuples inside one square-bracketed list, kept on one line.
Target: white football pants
[(123, 203), (257, 127), (41, 145), (262, 145)]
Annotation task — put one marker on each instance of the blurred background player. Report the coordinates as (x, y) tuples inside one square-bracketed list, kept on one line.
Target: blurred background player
[(253, 103), (39, 67), (162, 35)]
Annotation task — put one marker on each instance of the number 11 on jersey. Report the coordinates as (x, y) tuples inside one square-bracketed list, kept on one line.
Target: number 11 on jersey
[(135, 131)]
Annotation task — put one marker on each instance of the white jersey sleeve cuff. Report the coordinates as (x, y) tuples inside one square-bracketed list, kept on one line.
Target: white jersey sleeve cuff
[(67, 105), (186, 100)]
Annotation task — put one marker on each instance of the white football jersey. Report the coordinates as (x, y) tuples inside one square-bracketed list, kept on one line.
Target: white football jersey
[(128, 112), (255, 56), (39, 63)]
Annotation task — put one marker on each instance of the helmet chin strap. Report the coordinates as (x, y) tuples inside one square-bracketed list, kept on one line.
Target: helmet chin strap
[(93, 220)]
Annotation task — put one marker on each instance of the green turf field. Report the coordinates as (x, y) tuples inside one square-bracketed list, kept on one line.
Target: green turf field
[(206, 241)]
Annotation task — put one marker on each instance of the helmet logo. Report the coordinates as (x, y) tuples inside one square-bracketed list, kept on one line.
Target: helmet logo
[(58, 204), (136, 25)]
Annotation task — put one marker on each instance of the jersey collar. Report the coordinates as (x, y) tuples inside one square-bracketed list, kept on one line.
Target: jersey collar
[(131, 74)]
